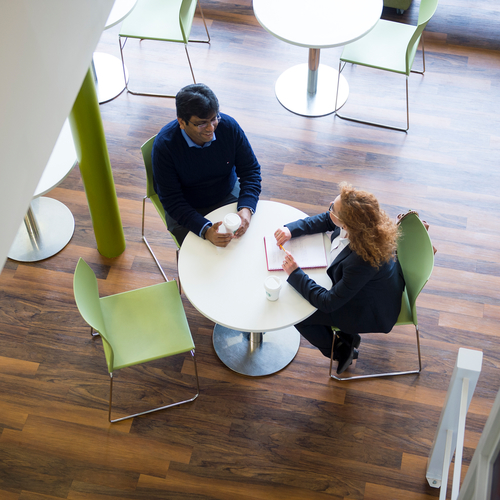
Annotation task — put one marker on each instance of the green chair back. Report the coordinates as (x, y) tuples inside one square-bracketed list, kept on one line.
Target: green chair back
[(146, 150), (416, 256), (87, 296), (88, 303), (426, 11), (186, 16)]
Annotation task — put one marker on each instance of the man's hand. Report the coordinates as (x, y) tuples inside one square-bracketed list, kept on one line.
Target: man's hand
[(282, 235), (245, 216), (218, 239)]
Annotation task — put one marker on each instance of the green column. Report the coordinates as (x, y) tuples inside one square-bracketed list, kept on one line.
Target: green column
[(95, 168)]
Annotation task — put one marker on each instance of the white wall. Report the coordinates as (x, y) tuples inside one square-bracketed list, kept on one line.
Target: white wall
[(46, 48)]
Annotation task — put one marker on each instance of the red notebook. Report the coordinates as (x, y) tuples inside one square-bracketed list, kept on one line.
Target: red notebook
[(308, 251)]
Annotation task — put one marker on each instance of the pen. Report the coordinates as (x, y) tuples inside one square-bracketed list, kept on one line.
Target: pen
[(281, 246)]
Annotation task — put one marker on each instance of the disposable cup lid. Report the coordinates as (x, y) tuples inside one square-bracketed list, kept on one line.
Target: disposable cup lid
[(273, 282), (232, 219)]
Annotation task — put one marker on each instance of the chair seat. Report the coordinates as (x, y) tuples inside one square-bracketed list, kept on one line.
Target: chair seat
[(136, 317), (154, 20), (384, 47)]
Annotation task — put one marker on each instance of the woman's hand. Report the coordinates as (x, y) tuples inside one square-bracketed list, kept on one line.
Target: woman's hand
[(282, 235), (289, 264)]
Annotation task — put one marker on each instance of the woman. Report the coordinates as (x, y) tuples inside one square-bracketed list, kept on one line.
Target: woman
[(367, 279)]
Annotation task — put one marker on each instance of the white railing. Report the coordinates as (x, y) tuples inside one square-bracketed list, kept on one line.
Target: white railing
[(449, 438)]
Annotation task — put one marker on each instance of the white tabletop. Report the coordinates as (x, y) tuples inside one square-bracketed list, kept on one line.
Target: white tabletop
[(60, 164), (121, 9), (227, 284), (318, 23)]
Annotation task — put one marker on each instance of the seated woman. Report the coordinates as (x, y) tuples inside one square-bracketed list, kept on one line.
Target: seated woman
[(367, 279)]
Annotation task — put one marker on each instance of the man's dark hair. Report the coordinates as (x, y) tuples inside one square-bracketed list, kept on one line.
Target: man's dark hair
[(196, 100)]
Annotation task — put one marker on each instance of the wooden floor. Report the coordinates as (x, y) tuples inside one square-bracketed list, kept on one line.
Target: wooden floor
[(296, 434)]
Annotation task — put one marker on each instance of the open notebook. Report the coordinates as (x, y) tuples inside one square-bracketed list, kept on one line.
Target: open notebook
[(308, 251)]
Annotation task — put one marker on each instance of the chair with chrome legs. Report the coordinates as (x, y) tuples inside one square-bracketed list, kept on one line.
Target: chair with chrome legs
[(390, 46), (416, 256), (146, 149), (135, 327), (161, 20)]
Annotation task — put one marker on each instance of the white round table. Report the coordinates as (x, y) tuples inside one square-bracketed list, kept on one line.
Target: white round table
[(107, 69), (227, 286), (48, 224), (310, 89)]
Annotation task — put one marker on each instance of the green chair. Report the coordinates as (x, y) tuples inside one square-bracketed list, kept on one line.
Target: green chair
[(416, 256), (137, 326), (161, 20), (390, 46), (146, 149)]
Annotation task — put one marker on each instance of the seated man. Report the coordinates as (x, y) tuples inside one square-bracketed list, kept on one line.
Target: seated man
[(196, 170)]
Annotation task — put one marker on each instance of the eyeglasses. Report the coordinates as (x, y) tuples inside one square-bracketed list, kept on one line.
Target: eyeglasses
[(332, 212), (214, 121)]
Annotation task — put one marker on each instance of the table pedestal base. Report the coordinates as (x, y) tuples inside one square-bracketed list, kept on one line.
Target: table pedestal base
[(47, 228), (291, 90), (256, 354), (108, 76)]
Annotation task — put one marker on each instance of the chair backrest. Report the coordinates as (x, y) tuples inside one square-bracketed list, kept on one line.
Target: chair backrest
[(146, 150), (87, 300), (186, 15), (416, 256), (426, 11)]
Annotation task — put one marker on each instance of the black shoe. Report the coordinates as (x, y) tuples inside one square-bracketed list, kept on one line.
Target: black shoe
[(346, 352), (337, 346)]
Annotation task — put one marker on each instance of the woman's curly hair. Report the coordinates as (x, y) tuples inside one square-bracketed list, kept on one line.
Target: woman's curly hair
[(372, 234)]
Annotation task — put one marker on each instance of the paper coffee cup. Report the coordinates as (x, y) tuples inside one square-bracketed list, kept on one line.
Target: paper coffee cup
[(232, 222), (272, 284)]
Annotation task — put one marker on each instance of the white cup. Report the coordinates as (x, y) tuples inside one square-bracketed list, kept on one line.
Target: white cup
[(272, 284), (232, 222)]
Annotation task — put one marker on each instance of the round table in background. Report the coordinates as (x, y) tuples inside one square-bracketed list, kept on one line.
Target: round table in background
[(252, 336), (107, 69), (48, 224), (309, 89)]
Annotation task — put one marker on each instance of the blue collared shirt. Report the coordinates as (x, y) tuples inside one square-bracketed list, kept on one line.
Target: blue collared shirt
[(193, 144)]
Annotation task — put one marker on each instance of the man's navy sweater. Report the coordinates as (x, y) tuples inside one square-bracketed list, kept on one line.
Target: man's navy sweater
[(188, 178)]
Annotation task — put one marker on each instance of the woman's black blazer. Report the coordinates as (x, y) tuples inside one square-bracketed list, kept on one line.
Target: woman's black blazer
[(362, 298)]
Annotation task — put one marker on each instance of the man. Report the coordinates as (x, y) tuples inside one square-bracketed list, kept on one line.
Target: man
[(196, 169)]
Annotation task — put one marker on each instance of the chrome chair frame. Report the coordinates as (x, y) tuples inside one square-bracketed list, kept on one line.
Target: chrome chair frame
[(145, 152), (377, 124), (177, 403), (377, 375), (149, 246)]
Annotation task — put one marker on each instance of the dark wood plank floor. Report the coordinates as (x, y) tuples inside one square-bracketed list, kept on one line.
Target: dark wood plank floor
[(296, 434)]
